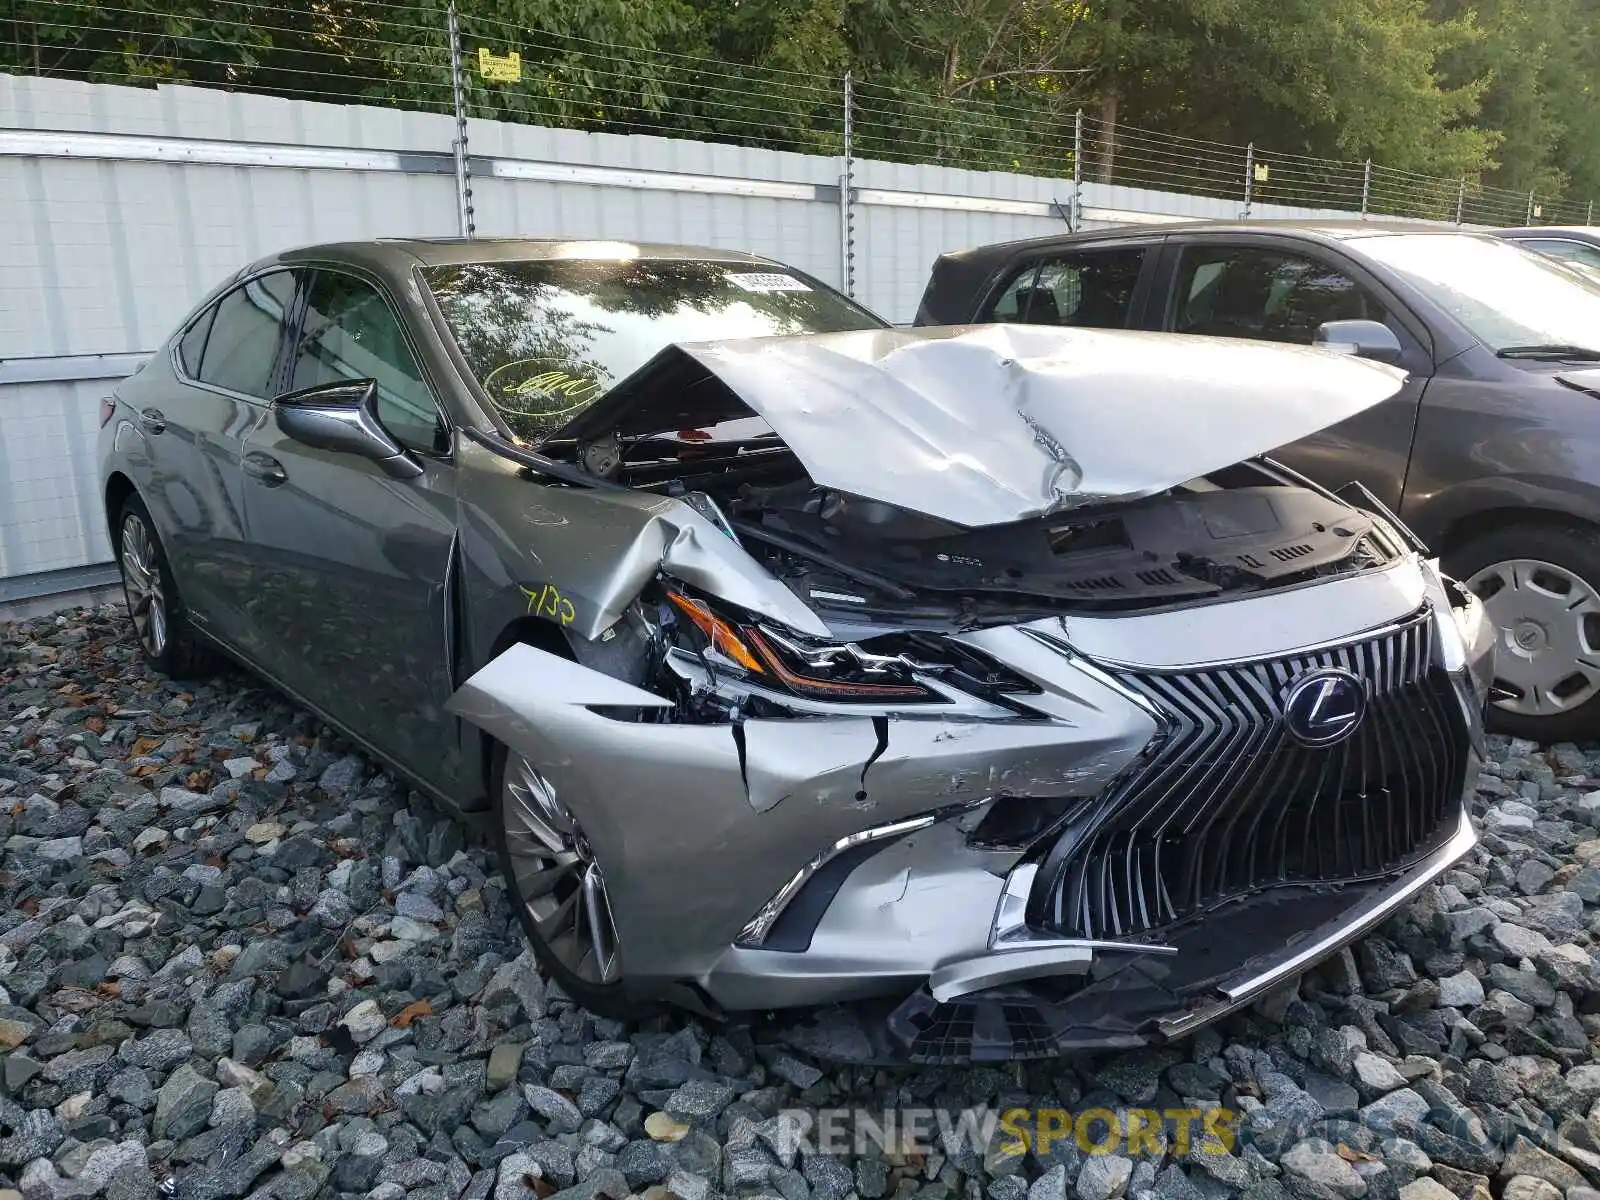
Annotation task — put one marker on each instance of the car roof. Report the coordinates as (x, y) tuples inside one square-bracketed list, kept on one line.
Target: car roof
[(1314, 230), (399, 255), (1589, 233)]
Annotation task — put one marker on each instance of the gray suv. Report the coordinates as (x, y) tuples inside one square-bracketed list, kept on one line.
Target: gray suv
[(1491, 452)]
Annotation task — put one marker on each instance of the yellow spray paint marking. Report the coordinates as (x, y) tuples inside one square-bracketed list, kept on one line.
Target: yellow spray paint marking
[(500, 68), (548, 602)]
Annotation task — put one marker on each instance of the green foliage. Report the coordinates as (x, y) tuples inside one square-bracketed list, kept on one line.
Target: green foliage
[(1501, 92)]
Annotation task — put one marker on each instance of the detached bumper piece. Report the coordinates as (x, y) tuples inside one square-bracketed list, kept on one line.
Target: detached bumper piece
[(1128, 999), (1229, 803)]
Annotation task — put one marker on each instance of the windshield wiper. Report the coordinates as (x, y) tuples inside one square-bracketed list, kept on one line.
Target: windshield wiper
[(1551, 352)]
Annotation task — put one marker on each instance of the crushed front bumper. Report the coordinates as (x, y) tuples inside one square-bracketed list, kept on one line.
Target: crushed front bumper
[(1074, 999)]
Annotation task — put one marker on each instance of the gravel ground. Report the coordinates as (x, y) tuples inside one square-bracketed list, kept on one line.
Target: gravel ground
[(234, 961)]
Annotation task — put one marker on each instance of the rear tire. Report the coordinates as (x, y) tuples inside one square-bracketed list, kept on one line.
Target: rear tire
[(155, 607), (1540, 584), (542, 847)]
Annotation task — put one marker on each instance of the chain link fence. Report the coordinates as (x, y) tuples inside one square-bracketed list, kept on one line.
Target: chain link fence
[(470, 63)]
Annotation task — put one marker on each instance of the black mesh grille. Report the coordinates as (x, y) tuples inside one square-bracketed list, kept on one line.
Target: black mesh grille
[(1229, 803)]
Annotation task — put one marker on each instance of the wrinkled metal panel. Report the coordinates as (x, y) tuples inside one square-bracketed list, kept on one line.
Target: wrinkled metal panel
[(104, 255)]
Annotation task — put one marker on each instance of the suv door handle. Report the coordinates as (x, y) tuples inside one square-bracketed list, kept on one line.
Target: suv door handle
[(153, 420), (265, 468)]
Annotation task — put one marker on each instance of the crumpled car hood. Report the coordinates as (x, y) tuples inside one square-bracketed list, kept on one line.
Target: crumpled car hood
[(990, 424)]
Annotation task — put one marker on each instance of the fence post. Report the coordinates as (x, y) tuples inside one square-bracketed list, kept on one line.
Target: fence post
[(1461, 199), (1249, 176), (846, 197), (459, 146), (1077, 173), (1589, 216), (1529, 219), (1366, 188)]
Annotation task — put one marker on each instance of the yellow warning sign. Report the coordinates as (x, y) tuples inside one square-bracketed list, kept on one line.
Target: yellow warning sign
[(500, 68), (1263, 173)]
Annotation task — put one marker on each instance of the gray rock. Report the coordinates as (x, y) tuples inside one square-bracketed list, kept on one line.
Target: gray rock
[(1103, 1177), (365, 1021), (1461, 990), (1517, 941), (183, 1105), (644, 1162), (1318, 1163), (160, 1050), (1052, 1185), (559, 1114), (699, 1101)]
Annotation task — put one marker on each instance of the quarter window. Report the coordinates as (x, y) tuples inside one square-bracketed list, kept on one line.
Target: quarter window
[(194, 342), (349, 333), (1245, 292), (1091, 289), (243, 343)]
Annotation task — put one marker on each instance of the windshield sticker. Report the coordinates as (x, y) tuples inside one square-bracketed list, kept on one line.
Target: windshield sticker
[(531, 387), (759, 281)]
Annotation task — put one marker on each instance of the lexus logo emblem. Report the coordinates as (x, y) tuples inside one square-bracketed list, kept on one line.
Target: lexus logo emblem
[(1324, 707)]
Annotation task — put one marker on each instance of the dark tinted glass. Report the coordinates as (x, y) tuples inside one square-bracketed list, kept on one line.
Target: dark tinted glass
[(350, 332), (547, 338), (1087, 289), (244, 334), (194, 342), (1242, 291)]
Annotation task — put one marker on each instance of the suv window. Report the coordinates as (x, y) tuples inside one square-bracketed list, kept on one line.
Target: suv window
[(1580, 252), (1248, 292), (243, 342), (1083, 288), (350, 332)]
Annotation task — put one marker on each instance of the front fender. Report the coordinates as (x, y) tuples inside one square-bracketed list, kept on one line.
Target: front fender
[(1447, 516)]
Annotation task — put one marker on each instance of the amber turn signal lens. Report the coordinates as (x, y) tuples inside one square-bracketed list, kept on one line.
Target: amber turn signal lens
[(718, 632)]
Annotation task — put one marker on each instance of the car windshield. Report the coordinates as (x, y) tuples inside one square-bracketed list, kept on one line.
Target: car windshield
[(546, 338), (1506, 296)]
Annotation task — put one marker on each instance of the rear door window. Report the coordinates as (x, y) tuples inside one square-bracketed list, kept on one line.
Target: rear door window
[(242, 346), (1255, 292), (1083, 288)]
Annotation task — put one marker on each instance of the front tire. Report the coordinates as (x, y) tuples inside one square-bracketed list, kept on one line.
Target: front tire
[(1540, 585), (558, 890), (154, 605)]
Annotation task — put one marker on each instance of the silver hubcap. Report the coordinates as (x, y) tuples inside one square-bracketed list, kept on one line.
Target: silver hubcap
[(558, 877), (147, 604), (1548, 619)]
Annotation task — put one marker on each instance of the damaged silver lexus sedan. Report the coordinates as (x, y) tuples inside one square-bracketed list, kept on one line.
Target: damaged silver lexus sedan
[(985, 679)]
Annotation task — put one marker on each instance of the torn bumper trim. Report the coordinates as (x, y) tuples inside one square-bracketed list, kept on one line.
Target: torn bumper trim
[(1246, 988)]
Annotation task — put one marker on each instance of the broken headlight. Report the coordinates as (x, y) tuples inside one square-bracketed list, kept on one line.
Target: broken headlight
[(893, 669), (780, 662)]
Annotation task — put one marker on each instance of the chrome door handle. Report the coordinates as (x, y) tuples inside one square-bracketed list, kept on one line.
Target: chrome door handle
[(265, 468), (153, 420)]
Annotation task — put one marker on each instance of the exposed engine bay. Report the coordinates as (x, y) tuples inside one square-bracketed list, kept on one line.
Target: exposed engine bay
[(901, 506), (1248, 528)]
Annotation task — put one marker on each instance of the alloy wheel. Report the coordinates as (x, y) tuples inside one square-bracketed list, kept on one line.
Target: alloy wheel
[(141, 581), (1548, 622), (557, 876)]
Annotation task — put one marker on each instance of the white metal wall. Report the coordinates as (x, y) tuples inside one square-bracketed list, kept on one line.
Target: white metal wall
[(104, 248)]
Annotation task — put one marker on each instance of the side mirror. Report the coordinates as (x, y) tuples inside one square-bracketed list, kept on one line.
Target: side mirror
[(1364, 339), (344, 417)]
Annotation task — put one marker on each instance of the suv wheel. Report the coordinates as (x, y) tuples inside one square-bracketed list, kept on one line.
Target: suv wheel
[(1540, 585), (168, 642)]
